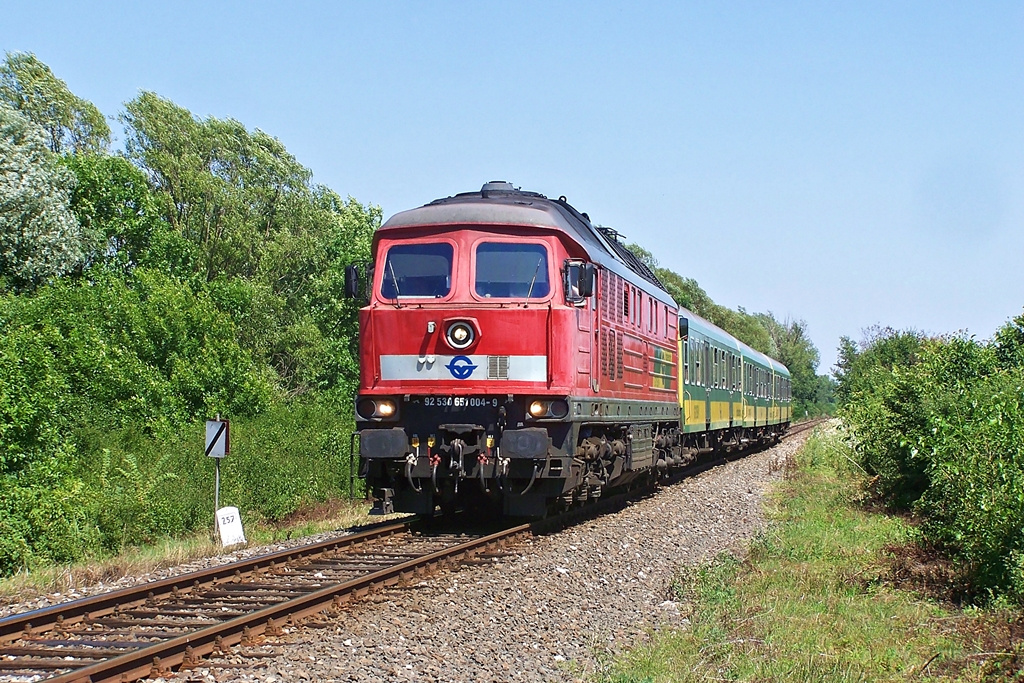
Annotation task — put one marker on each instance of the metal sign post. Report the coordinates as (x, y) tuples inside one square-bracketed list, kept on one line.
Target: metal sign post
[(218, 445)]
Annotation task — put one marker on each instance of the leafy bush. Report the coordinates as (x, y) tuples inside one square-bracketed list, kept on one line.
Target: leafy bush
[(143, 350), (108, 490), (975, 503), (288, 456), (942, 427), (44, 514), (33, 387), (888, 418)]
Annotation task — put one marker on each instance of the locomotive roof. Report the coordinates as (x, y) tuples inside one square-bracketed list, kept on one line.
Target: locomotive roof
[(499, 203)]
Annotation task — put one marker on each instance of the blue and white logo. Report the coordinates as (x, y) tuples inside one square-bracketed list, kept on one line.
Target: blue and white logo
[(461, 367)]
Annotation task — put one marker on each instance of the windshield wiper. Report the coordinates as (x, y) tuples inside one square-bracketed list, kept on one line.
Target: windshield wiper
[(534, 280), (398, 292)]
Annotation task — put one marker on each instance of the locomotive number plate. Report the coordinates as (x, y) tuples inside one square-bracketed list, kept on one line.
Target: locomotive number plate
[(460, 402)]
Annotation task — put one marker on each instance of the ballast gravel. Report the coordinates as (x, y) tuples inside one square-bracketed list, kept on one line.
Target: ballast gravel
[(554, 609)]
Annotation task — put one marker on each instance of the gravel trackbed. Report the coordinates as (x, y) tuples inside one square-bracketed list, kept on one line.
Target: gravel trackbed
[(554, 609)]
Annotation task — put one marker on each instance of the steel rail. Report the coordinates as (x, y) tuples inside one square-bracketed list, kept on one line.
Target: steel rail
[(161, 657), (39, 621), (799, 427)]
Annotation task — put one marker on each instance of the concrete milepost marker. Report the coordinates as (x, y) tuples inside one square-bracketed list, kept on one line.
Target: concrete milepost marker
[(229, 523)]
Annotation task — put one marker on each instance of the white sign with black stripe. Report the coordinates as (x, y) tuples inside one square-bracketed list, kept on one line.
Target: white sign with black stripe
[(218, 443)]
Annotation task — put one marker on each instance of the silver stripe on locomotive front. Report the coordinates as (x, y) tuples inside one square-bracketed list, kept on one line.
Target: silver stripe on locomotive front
[(411, 367)]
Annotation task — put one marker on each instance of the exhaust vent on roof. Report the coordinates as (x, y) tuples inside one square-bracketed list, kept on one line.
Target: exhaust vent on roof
[(497, 186)]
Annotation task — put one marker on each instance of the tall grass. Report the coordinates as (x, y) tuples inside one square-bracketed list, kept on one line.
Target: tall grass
[(806, 604)]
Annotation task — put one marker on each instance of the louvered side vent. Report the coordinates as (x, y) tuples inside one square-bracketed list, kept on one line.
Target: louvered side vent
[(606, 287), (620, 294), (605, 354), (618, 356), (497, 367)]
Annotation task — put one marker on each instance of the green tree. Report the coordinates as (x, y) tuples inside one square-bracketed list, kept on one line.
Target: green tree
[(1009, 343), (882, 348), (39, 236), (207, 277), (748, 328), (71, 123), (270, 246), (811, 392), (227, 190), (121, 218), (684, 290)]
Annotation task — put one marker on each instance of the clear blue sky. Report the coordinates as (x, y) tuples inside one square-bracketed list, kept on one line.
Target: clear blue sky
[(843, 163)]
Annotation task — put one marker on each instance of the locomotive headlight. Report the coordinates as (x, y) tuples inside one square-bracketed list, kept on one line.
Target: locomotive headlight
[(558, 409), (376, 408), (460, 335), (552, 409)]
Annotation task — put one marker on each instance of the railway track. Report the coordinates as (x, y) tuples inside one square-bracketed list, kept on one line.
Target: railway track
[(150, 629), (804, 426)]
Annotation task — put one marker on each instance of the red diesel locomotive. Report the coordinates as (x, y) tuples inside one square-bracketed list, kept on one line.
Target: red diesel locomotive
[(512, 355)]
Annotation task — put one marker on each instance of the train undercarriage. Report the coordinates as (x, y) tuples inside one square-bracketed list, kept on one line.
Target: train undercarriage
[(498, 466)]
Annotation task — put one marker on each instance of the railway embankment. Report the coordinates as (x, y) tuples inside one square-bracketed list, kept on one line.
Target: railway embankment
[(774, 566), (555, 607)]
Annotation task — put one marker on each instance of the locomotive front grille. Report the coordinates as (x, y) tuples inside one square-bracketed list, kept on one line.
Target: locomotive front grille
[(497, 367)]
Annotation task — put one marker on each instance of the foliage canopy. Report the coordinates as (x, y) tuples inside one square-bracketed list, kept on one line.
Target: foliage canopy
[(199, 272), (71, 123), (40, 239), (939, 423)]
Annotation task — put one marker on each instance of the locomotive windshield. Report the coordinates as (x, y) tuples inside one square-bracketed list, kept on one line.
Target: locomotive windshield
[(417, 270), (509, 270)]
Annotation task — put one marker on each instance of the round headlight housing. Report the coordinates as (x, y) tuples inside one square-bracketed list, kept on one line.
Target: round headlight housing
[(460, 335), (376, 408), (542, 408)]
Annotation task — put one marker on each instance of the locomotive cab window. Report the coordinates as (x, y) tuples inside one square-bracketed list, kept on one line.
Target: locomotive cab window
[(512, 271), (417, 271)]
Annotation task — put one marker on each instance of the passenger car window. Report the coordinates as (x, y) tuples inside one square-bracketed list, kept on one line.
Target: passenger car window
[(417, 270)]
